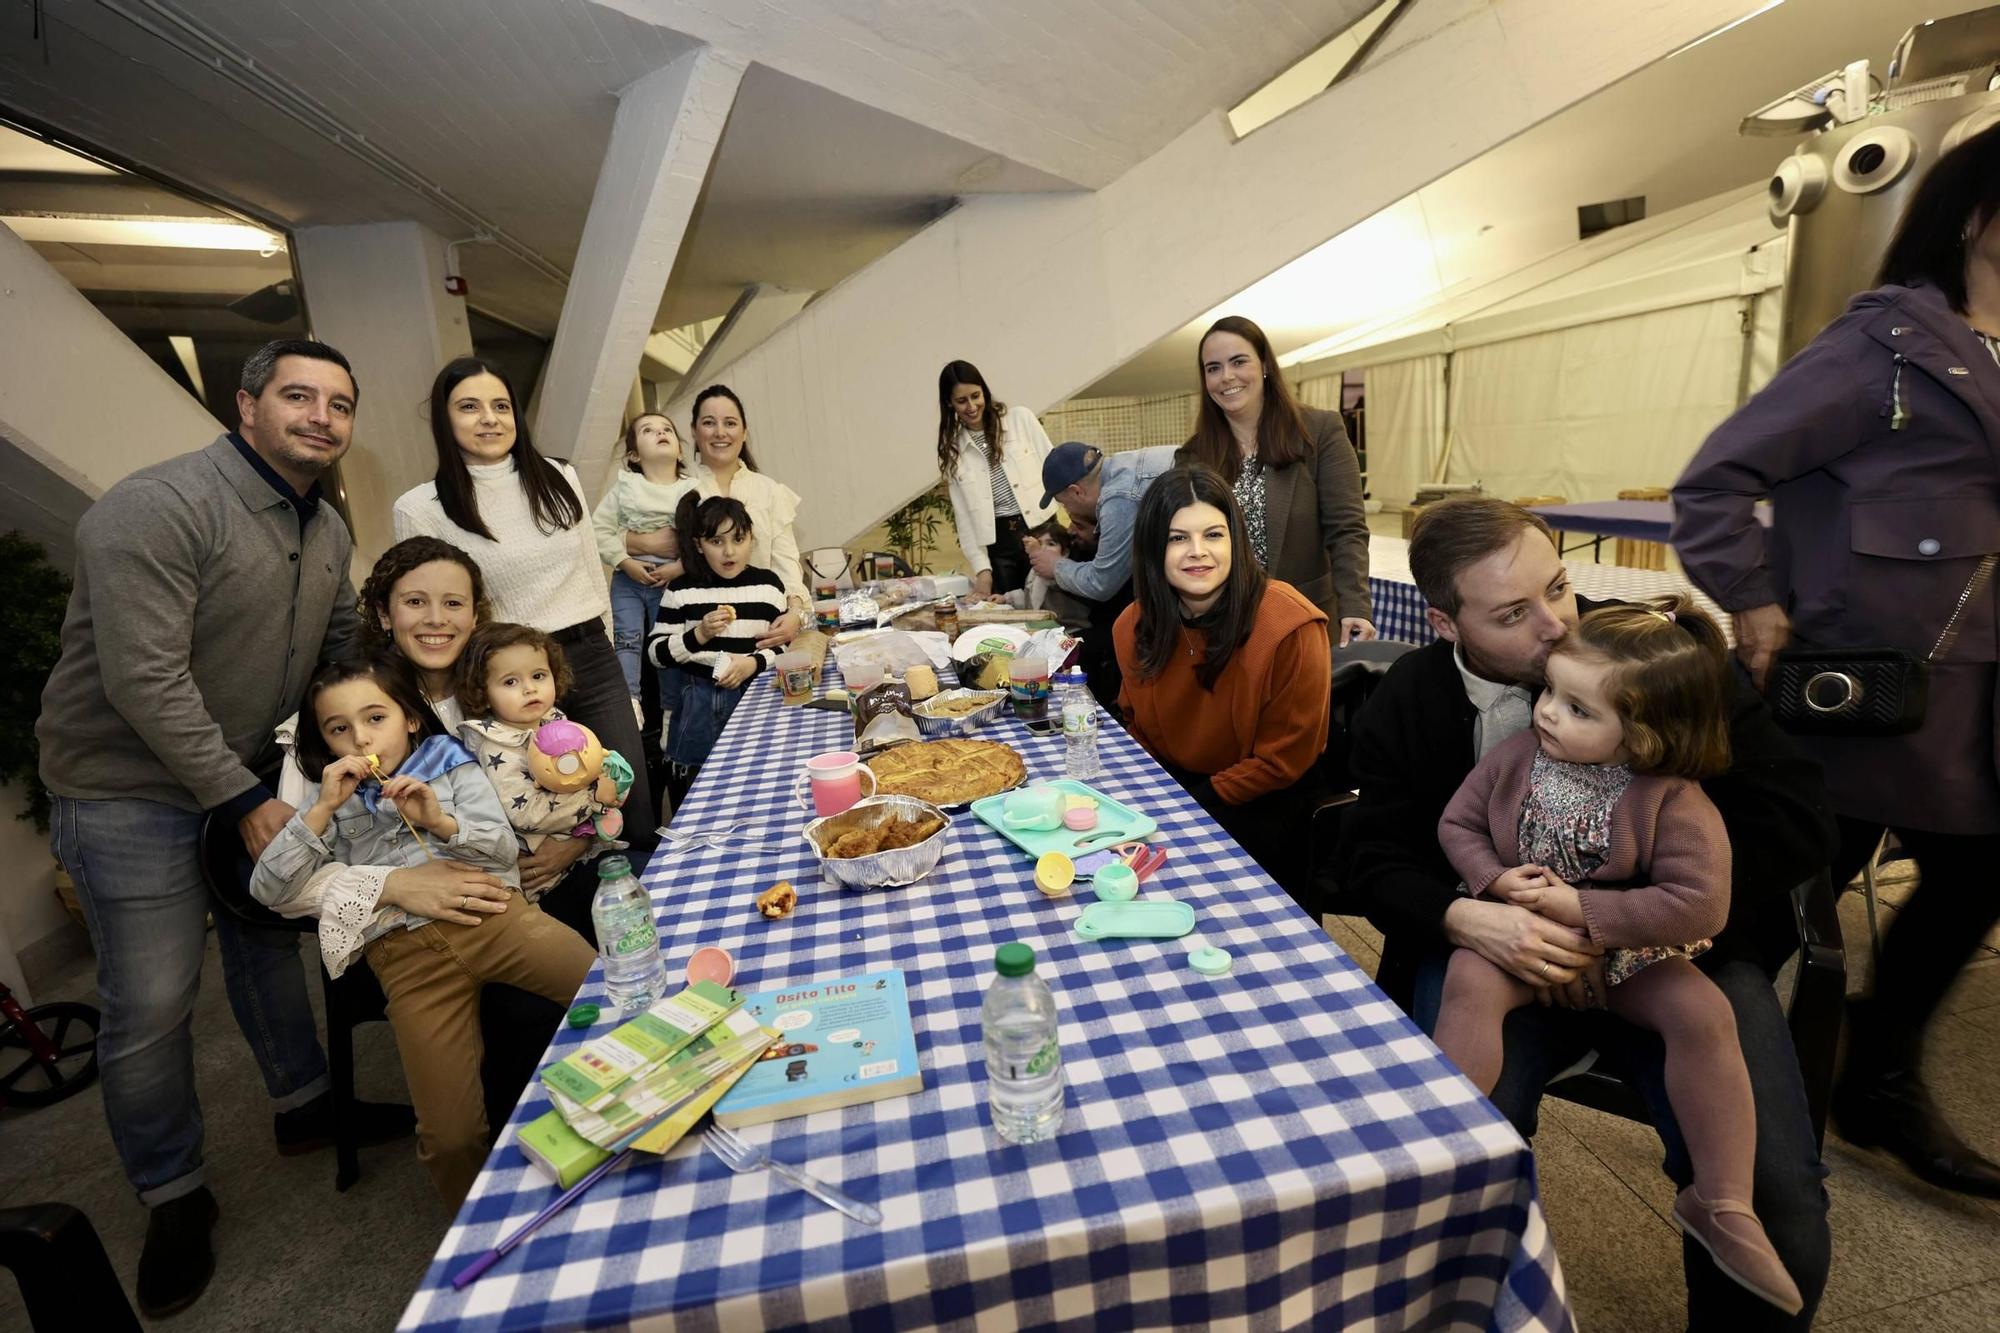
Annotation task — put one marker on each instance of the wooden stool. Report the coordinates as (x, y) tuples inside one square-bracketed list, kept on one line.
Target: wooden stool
[(1637, 554)]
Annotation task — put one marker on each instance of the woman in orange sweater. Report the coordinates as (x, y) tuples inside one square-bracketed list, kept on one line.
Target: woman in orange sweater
[(1227, 671)]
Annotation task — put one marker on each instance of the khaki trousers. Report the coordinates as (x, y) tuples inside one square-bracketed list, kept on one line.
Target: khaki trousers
[(431, 976)]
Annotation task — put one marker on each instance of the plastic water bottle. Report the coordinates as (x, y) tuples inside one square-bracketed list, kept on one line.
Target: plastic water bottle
[(1023, 1060), (628, 938), (1079, 719)]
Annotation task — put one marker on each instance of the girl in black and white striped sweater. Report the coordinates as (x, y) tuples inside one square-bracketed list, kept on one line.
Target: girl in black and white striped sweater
[(711, 621)]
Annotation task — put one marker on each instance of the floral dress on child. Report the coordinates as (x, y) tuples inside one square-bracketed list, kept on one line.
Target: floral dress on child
[(1566, 826)]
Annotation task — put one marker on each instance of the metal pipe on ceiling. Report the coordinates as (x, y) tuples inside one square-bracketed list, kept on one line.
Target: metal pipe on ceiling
[(189, 37)]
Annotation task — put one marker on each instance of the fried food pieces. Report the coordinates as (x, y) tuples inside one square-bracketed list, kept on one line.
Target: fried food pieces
[(886, 836)]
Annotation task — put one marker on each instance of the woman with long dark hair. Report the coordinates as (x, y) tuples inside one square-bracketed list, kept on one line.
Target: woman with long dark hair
[(1295, 475), (1879, 447), (991, 456), (523, 518), (1227, 671)]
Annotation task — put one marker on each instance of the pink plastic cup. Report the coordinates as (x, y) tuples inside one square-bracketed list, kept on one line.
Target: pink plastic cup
[(836, 782)]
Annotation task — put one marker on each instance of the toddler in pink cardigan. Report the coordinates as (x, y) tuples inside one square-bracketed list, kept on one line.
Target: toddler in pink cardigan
[(1594, 819)]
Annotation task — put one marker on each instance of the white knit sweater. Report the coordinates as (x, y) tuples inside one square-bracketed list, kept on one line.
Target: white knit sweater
[(550, 580)]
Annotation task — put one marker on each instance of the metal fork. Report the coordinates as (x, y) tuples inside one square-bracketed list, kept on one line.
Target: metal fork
[(742, 831), (739, 1156)]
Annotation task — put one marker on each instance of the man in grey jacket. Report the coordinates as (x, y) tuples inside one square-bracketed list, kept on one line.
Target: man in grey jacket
[(1102, 490), (207, 589)]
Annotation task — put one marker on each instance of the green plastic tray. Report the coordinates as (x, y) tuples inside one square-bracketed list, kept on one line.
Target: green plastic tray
[(1140, 919), (1038, 842)]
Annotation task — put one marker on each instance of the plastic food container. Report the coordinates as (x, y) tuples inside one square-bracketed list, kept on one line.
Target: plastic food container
[(931, 726), (881, 870)]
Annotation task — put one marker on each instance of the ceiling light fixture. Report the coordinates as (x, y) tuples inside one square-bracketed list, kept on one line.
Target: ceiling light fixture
[(1733, 23), (220, 58), (170, 233)]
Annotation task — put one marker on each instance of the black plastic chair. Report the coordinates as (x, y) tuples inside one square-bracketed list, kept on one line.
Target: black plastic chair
[(1357, 670), (66, 1278), (1819, 992), (352, 998)]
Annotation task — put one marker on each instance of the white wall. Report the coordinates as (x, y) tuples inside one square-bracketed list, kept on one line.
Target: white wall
[(1047, 293), (376, 293), (76, 395)]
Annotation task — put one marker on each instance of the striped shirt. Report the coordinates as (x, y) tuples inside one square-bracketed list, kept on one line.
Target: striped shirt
[(756, 595), (1004, 503)]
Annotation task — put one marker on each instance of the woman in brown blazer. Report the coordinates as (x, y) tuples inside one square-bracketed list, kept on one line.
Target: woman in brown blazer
[(1293, 471)]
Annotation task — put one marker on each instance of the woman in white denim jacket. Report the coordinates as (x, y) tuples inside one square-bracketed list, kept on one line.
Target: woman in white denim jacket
[(991, 456)]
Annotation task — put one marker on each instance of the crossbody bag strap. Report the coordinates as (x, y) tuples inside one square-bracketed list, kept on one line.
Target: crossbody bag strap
[(1949, 636)]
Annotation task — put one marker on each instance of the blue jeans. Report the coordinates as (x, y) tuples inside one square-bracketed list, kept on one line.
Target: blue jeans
[(137, 867), (634, 608), (1790, 1190), (704, 709)]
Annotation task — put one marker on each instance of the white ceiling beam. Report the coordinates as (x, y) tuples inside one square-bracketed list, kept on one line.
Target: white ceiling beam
[(662, 142), (60, 355), (757, 314), (1081, 92)]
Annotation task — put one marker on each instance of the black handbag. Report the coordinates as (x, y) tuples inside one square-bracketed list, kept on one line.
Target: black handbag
[(1862, 691)]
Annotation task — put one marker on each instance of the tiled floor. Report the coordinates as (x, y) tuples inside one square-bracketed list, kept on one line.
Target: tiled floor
[(294, 1253), (1905, 1255)]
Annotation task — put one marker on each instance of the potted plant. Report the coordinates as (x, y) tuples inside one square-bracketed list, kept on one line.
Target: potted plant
[(33, 597), (912, 531)]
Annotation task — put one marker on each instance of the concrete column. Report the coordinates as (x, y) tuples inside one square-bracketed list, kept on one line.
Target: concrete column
[(661, 144), (376, 292)]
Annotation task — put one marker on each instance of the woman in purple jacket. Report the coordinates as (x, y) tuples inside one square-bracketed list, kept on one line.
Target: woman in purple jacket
[(1879, 446)]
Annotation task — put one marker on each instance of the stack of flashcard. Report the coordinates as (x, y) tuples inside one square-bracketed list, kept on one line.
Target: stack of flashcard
[(655, 1075)]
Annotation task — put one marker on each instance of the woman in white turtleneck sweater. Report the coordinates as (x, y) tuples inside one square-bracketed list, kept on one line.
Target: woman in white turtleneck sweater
[(523, 518)]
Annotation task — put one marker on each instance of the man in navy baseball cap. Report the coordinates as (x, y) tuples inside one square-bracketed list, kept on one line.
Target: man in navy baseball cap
[(1066, 465), (1102, 489)]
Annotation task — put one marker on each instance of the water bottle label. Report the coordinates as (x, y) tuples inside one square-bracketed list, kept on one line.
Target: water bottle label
[(635, 940), (1045, 1059)]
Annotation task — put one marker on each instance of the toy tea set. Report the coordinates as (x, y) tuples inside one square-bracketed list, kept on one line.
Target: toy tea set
[(872, 834)]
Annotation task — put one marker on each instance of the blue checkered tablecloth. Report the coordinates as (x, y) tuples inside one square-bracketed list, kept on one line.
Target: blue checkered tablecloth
[(1279, 1147)]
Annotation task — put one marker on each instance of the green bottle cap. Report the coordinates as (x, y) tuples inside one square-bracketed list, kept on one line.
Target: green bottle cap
[(583, 1015), (1014, 960)]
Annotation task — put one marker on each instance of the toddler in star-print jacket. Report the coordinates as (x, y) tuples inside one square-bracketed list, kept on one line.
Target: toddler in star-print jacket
[(509, 679)]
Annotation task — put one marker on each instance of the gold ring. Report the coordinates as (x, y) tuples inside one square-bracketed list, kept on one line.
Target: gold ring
[(1545, 967)]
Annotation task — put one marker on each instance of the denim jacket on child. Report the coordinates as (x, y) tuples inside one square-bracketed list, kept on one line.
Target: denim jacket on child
[(378, 840)]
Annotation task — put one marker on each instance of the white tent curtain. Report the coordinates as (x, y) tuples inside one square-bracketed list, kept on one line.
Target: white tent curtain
[(1406, 419), (1764, 317), (1586, 411), (1321, 391)]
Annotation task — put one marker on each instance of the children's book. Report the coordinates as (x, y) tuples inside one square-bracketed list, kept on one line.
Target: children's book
[(840, 1042)]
